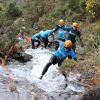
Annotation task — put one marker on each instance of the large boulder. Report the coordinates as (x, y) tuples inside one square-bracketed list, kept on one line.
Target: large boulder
[(20, 55)]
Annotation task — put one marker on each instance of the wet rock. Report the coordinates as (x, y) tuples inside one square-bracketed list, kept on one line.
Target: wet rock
[(21, 56), (5, 92), (75, 97), (60, 95), (51, 87), (32, 91)]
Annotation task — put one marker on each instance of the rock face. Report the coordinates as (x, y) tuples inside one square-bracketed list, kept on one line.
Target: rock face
[(21, 56)]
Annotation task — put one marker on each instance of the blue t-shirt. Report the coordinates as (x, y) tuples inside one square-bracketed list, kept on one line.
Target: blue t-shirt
[(62, 32), (62, 53), (72, 34), (47, 33), (36, 36)]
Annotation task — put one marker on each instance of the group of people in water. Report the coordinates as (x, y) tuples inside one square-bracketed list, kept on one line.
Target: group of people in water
[(62, 31), (65, 47)]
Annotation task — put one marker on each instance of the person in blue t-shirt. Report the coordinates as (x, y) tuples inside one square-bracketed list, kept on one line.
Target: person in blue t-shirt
[(45, 35), (73, 32), (36, 38), (59, 55), (61, 30)]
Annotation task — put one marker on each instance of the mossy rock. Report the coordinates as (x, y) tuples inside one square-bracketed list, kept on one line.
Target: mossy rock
[(67, 64)]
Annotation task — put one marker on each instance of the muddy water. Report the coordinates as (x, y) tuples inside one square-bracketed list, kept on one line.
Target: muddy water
[(51, 87)]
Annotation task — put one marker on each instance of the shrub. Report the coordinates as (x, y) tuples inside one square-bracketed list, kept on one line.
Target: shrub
[(93, 8), (13, 11), (96, 35), (68, 64)]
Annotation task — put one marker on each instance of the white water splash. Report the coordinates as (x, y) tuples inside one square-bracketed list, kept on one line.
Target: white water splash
[(52, 80)]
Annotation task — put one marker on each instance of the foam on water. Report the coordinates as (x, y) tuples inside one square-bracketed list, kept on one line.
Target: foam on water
[(52, 80)]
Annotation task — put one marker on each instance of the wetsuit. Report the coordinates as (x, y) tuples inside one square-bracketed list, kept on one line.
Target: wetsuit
[(44, 36), (58, 56), (72, 35), (61, 34), (35, 38)]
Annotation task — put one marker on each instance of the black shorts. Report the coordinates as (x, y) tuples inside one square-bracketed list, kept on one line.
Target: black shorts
[(54, 60)]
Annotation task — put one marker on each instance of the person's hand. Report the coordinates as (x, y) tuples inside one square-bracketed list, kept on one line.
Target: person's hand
[(57, 26)]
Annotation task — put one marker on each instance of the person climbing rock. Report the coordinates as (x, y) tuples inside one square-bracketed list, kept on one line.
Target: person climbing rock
[(59, 55), (36, 38), (73, 32), (61, 30), (45, 35)]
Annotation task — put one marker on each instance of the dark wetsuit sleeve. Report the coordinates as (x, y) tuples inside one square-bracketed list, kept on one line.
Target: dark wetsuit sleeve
[(68, 29), (79, 34), (57, 27), (63, 28)]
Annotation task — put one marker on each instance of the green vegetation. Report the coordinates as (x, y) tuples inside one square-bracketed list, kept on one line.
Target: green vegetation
[(68, 65), (13, 11), (93, 8)]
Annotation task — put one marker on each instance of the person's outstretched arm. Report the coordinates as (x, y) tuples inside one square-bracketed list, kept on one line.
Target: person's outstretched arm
[(79, 36), (57, 27)]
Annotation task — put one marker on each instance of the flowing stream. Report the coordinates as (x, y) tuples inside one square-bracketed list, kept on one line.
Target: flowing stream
[(26, 77)]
